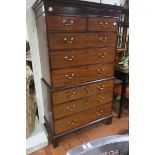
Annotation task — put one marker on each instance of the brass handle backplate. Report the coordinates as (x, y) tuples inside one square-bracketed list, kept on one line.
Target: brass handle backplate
[(70, 94), (100, 100), (99, 112), (69, 41), (102, 55), (71, 108), (69, 58), (69, 76), (103, 38), (67, 22), (103, 23), (72, 122), (100, 71), (101, 87)]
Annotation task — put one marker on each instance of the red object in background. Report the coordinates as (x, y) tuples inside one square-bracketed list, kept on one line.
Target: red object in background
[(127, 92), (118, 89)]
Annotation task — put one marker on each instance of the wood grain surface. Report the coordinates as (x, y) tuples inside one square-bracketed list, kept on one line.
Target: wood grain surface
[(81, 57), (82, 91), (81, 40), (71, 76), (66, 23), (81, 118), (74, 107), (102, 24)]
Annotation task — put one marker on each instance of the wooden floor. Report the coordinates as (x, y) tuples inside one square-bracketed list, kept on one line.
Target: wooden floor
[(87, 134)]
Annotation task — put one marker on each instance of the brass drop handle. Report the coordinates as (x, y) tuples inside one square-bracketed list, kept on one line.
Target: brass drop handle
[(68, 41), (103, 38), (67, 22), (99, 112), (69, 58), (69, 76), (72, 122), (103, 23), (101, 87), (71, 108), (70, 94), (100, 100), (100, 71), (101, 55)]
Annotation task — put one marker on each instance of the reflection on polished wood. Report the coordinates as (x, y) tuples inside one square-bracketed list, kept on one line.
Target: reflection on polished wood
[(85, 135)]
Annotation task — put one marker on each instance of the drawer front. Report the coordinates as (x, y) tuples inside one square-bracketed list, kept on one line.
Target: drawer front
[(74, 121), (102, 24), (81, 57), (81, 118), (66, 23), (81, 40), (71, 76), (82, 104), (80, 92)]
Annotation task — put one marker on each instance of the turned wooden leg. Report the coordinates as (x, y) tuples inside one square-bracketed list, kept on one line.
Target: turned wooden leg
[(55, 143)]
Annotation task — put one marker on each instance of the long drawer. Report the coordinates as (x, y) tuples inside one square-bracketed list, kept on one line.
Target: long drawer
[(82, 91), (82, 118), (81, 40), (102, 24), (66, 23), (81, 57), (71, 76), (73, 107)]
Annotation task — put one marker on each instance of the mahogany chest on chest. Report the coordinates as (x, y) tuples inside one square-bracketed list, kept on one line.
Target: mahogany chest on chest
[(77, 44)]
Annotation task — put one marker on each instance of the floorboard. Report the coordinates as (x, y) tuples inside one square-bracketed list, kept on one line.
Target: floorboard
[(87, 134)]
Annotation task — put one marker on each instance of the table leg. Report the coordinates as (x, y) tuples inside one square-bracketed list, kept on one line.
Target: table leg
[(122, 96)]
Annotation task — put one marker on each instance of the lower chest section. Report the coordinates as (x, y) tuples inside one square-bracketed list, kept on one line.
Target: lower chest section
[(78, 106)]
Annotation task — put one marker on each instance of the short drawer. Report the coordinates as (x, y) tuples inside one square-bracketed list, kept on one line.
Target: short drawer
[(66, 23), (102, 24), (82, 118), (59, 41), (82, 104), (76, 75), (81, 92), (81, 57)]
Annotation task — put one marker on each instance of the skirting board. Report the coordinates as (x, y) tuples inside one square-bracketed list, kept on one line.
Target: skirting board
[(38, 139)]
